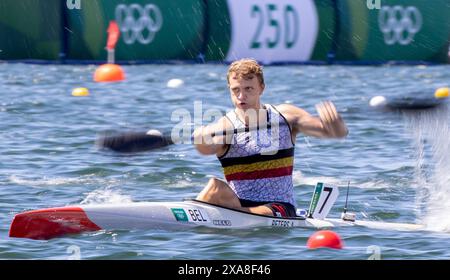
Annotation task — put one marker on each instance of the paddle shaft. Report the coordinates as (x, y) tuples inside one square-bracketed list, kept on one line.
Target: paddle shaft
[(130, 142), (238, 130)]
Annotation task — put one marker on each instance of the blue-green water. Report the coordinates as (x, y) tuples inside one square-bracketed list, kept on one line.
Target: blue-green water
[(397, 163)]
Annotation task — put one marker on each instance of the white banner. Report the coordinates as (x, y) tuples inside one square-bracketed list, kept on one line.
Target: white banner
[(273, 30)]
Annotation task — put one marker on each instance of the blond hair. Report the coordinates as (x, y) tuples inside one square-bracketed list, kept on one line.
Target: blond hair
[(245, 68)]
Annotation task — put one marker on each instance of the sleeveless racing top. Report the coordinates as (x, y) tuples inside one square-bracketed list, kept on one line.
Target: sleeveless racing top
[(258, 164)]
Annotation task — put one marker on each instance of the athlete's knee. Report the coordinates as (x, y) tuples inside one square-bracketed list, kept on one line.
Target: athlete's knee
[(215, 184), (220, 193), (216, 189), (211, 189), (215, 181)]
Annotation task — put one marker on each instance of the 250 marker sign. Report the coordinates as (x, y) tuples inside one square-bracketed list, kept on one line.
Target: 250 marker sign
[(272, 31), (268, 18)]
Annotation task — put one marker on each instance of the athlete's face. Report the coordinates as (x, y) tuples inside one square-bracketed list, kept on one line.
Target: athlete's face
[(245, 92)]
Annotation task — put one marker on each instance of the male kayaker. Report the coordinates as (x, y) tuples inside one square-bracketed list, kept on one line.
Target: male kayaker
[(258, 163)]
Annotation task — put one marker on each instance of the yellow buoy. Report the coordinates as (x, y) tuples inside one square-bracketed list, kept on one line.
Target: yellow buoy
[(441, 93), (80, 92)]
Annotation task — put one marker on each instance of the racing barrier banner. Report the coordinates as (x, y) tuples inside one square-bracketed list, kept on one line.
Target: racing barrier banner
[(271, 31), (383, 30), (150, 30), (30, 29)]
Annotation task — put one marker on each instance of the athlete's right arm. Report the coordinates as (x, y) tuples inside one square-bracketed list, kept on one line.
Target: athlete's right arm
[(208, 145)]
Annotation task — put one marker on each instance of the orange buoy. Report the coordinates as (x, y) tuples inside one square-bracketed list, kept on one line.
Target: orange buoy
[(109, 73), (325, 238)]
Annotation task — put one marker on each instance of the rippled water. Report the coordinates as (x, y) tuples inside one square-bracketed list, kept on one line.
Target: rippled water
[(397, 163)]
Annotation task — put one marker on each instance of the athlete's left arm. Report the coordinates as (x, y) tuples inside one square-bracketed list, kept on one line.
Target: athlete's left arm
[(329, 124)]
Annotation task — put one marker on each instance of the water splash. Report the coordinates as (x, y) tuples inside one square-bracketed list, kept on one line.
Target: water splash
[(299, 178), (432, 179), (37, 182), (47, 181), (106, 196)]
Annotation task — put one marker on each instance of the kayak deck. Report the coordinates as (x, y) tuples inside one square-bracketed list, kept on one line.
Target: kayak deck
[(55, 222)]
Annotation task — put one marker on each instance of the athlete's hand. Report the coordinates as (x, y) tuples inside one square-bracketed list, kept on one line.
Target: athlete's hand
[(332, 122)]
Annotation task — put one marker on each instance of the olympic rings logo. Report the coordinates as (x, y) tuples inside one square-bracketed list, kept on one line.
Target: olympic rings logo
[(138, 23), (373, 4), (399, 24), (73, 4)]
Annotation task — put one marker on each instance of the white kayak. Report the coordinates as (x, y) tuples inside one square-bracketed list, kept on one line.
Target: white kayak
[(54, 222)]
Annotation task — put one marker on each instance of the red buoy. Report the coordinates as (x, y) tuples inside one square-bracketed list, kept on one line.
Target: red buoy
[(325, 238), (109, 73)]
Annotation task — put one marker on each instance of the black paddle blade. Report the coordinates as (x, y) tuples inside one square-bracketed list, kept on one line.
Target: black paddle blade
[(131, 142), (413, 103)]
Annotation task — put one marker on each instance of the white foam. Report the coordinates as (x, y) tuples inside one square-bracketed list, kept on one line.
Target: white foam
[(299, 179), (182, 183), (60, 181), (372, 185), (106, 196), (46, 181)]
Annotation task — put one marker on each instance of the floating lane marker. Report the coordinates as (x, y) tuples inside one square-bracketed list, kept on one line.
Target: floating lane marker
[(378, 101), (325, 238), (80, 92), (441, 93), (110, 72), (175, 83)]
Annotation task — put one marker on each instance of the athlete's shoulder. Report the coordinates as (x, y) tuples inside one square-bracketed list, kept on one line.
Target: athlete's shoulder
[(289, 110), (285, 107)]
